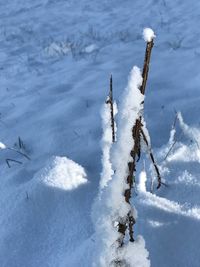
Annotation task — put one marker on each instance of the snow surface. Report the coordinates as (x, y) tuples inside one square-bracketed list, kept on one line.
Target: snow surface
[(55, 61)]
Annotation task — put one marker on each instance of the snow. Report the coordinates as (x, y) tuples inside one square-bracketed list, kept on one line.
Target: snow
[(58, 49), (65, 174), (2, 146), (142, 181), (51, 93), (148, 34), (107, 171), (91, 48)]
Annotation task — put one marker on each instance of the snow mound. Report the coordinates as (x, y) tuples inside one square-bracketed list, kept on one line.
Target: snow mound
[(64, 173), (148, 35)]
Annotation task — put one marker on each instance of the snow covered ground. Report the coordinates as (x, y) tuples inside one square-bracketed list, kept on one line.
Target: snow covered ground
[(56, 58)]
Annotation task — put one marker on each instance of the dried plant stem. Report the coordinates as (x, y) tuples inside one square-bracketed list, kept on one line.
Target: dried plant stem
[(146, 66), (170, 149), (19, 152), (13, 160), (135, 151)]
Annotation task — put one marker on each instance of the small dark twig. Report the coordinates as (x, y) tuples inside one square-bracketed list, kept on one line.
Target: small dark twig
[(21, 144), (166, 185), (19, 152), (110, 101), (27, 196), (131, 222), (170, 149), (152, 158), (13, 160)]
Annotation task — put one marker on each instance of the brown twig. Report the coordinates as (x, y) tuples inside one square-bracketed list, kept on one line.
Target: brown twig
[(110, 101), (134, 153)]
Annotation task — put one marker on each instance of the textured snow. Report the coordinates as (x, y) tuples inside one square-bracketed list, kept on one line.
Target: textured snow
[(65, 174), (51, 93)]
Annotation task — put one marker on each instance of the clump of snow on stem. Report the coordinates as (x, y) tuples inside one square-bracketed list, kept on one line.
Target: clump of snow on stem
[(148, 34), (115, 207), (107, 171), (130, 111)]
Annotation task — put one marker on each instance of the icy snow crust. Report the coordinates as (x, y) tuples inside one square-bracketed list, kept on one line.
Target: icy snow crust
[(55, 61)]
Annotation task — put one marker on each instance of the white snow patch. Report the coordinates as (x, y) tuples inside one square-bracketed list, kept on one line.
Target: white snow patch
[(142, 181), (136, 248), (187, 179), (91, 48), (57, 49), (64, 173), (156, 224), (148, 34), (2, 146), (107, 171)]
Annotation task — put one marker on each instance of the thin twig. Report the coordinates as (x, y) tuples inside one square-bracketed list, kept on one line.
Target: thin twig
[(152, 158), (13, 160), (19, 152), (27, 196), (110, 101)]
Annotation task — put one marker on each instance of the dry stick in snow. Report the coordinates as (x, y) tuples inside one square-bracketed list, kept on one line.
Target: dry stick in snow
[(19, 152), (13, 160), (152, 158), (110, 101), (122, 227)]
